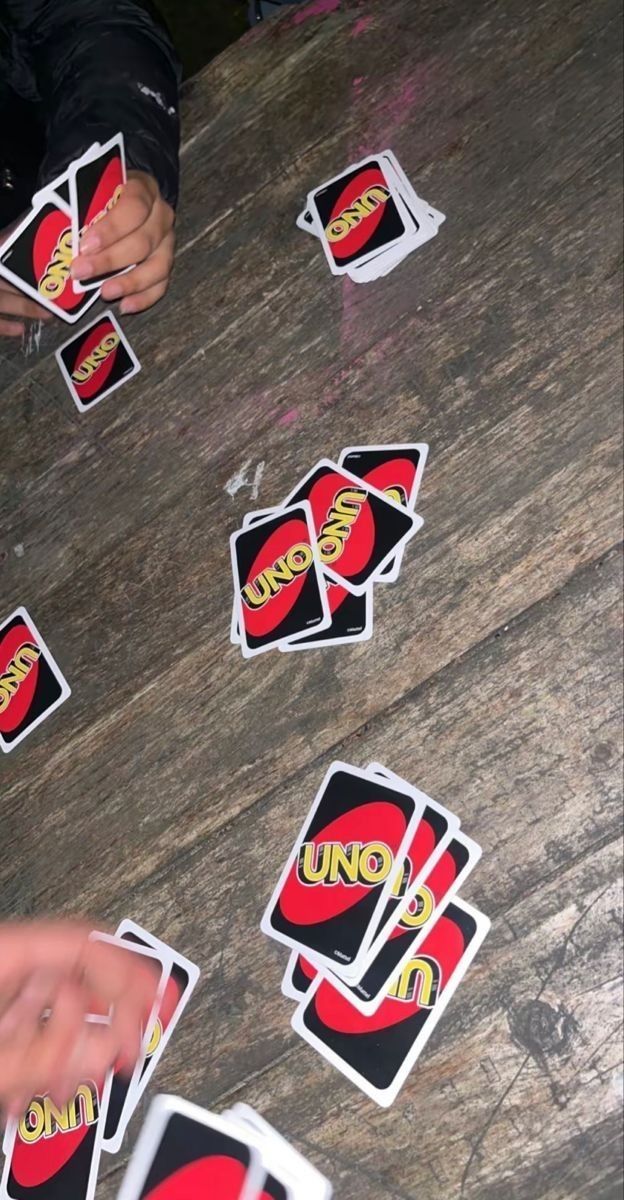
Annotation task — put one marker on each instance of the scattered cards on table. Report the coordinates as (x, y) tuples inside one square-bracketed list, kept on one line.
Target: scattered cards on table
[(368, 905), (304, 572), (369, 218), (54, 1152), (188, 1153), (37, 258)]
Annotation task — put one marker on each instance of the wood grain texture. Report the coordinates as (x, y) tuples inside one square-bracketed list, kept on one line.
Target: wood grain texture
[(170, 786)]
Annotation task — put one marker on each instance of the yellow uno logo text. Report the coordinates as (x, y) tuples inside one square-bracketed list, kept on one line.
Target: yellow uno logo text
[(97, 356), (44, 1119), (418, 910), (341, 226), (270, 581), (337, 527), (54, 279), (420, 979), (16, 672), (367, 863)]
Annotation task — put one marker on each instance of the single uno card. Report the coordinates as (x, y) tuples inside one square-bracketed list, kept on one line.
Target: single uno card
[(440, 885), (97, 361), (180, 980), (357, 215), (185, 1152), (54, 1152), (31, 684), (358, 528), (37, 258), (351, 620), (96, 182), (316, 1185), (278, 584), (377, 1052), (337, 879), (396, 471)]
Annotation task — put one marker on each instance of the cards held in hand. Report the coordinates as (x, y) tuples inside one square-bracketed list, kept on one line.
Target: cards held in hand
[(54, 1151), (369, 218), (368, 902), (304, 572)]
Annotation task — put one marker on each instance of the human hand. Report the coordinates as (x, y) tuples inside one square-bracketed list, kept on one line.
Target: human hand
[(139, 229), (15, 308), (46, 965)]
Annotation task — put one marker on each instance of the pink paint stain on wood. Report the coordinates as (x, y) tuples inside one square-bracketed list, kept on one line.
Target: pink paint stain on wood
[(289, 417), (361, 25), (318, 8)]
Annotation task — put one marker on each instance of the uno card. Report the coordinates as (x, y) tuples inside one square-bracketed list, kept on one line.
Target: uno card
[(54, 1152), (31, 683), (396, 471), (185, 1152), (351, 620), (37, 257), (96, 361), (181, 978), (337, 879), (440, 885), (278, 584), (358, 528), (377, 1052), (357, 215), (96, 182), (316, 1186)]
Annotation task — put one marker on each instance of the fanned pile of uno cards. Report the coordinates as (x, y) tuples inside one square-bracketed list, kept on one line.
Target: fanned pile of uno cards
[(188, 1153), (368, 902), (55, 1151), (304, 572), (369, 218), (37, 258)]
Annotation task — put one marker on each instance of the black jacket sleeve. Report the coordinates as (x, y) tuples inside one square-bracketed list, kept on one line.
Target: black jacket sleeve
[(102, 66)]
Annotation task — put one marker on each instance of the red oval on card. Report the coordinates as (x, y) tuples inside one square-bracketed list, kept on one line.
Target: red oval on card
[(357, 547), (51, 261), (95, 359), (354, 241), (21, 699), (212, 1176), (34, 1163), (307, 904), (335, 1011), (263, 620), (399, 473)]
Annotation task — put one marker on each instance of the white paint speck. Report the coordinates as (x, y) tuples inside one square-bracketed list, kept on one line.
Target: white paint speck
[(243, 479), (158, 97), (19, 550), (617, 1081), (31, 339)]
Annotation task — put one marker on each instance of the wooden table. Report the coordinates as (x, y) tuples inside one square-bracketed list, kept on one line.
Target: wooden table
[(171, 786)]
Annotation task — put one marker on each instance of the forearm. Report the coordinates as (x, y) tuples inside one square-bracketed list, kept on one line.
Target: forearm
[(102, 66)]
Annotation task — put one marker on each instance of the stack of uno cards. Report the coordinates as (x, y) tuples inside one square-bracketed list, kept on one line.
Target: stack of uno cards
[(37, 258), (53, 1152), (184, 1153), (368, 903), (304, 572), (369, 218)]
